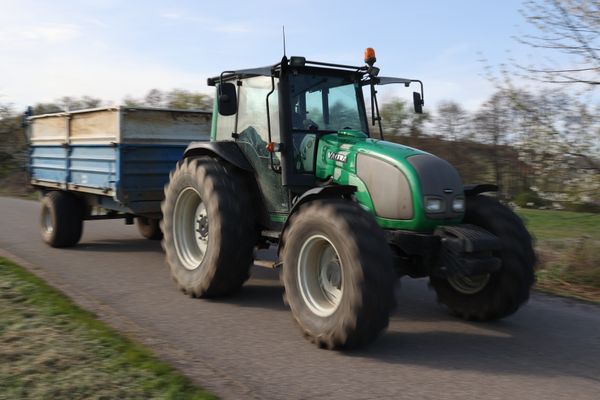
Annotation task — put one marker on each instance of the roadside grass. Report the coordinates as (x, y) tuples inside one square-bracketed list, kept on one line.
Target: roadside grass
[(549, 224), (50, 348), (568, 248)]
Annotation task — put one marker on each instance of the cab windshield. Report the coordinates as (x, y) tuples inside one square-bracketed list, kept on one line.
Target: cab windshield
[(320, 104), (326, 103)]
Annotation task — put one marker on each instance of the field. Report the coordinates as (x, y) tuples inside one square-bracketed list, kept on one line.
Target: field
[(550, 225), (568, 248), (51, 349)]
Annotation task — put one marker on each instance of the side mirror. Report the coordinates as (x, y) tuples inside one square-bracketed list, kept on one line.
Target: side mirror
[(418, 102), (227, 99)]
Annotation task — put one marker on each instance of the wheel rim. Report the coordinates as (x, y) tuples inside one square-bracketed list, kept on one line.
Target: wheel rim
[(469, 284), (47, 225), (190, 228), (320, 275)]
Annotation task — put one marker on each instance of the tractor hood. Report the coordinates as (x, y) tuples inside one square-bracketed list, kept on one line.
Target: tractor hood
[(405, 188)]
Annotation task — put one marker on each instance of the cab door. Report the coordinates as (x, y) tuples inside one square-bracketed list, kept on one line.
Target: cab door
[(249, 129)]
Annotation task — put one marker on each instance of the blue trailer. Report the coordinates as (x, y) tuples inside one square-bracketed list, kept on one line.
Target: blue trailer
[(110, 162)]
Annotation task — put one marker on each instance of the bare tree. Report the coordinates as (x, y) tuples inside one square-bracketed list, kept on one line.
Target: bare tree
[(395, 117), (67, 103), (185, 99), (154, 98), (417, 124), (451, 120), (493, 123), (130, 101), (398, 118), (175, 98), (558, 140), (47, 108), (568, 29), (74, 103), (12, 139)]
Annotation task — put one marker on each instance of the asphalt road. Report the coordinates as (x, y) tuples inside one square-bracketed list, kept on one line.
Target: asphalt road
[(248, 347)]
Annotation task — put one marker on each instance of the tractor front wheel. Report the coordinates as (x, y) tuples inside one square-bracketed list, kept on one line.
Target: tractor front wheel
[(501, 293), (337, 274)]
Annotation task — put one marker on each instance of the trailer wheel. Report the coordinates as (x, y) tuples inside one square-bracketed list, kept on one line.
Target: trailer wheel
[(61, 219), (208, 227), (337, 273), (499, 294), (149, 228)]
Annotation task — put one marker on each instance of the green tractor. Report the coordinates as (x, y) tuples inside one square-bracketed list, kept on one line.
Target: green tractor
[(292, 162)]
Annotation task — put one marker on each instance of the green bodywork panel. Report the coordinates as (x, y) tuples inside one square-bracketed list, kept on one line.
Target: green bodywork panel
[(343, 171)]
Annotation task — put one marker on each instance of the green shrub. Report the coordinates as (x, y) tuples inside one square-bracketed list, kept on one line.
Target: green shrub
[(583, 207), (583, 263), (528, 198)]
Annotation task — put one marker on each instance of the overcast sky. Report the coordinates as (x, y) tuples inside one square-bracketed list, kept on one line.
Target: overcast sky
[(110, 49)]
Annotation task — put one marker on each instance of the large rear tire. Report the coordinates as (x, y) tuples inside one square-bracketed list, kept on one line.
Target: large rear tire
[(61, 219), (208, 227), (499, 294), (149, 228), (337, 273)]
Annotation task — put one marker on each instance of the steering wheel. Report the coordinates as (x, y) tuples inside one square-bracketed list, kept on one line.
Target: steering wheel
[(306, 156)]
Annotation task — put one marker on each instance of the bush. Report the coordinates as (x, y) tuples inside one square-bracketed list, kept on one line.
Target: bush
[(584, 207), (529, 199), (570, 268), (583, 263)]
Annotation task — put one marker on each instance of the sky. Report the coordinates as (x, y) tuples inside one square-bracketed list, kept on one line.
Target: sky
[(112, 49)]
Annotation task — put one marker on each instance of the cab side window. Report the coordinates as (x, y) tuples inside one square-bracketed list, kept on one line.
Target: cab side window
[(252, 125)]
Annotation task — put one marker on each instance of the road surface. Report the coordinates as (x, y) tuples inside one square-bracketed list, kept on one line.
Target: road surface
[(248, 347)]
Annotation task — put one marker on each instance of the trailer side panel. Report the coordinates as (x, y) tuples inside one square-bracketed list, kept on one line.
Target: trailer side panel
[(124, 153)]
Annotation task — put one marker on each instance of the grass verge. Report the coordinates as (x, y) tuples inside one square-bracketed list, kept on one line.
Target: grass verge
[(50, 348), (568, 248), (550, 225)]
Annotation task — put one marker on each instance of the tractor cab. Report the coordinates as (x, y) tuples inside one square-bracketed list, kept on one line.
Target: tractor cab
[(278, 114)]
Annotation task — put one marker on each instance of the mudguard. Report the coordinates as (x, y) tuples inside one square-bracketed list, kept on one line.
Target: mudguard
[(227, 150), (329, 191), (474, 190), (324, 191)]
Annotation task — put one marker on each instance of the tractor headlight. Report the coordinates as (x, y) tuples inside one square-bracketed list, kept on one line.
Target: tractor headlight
[(458, 204), (434, 205)]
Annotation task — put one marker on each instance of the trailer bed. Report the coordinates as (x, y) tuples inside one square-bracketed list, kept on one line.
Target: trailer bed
[(121, 154)]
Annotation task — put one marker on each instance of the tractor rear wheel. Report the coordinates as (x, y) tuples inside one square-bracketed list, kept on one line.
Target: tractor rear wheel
[(501, 293), (208, 227), (337, 273)]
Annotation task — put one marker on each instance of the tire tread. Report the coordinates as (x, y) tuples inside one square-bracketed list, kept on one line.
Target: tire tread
[(509, 287), (373, 301), (228, 203)]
